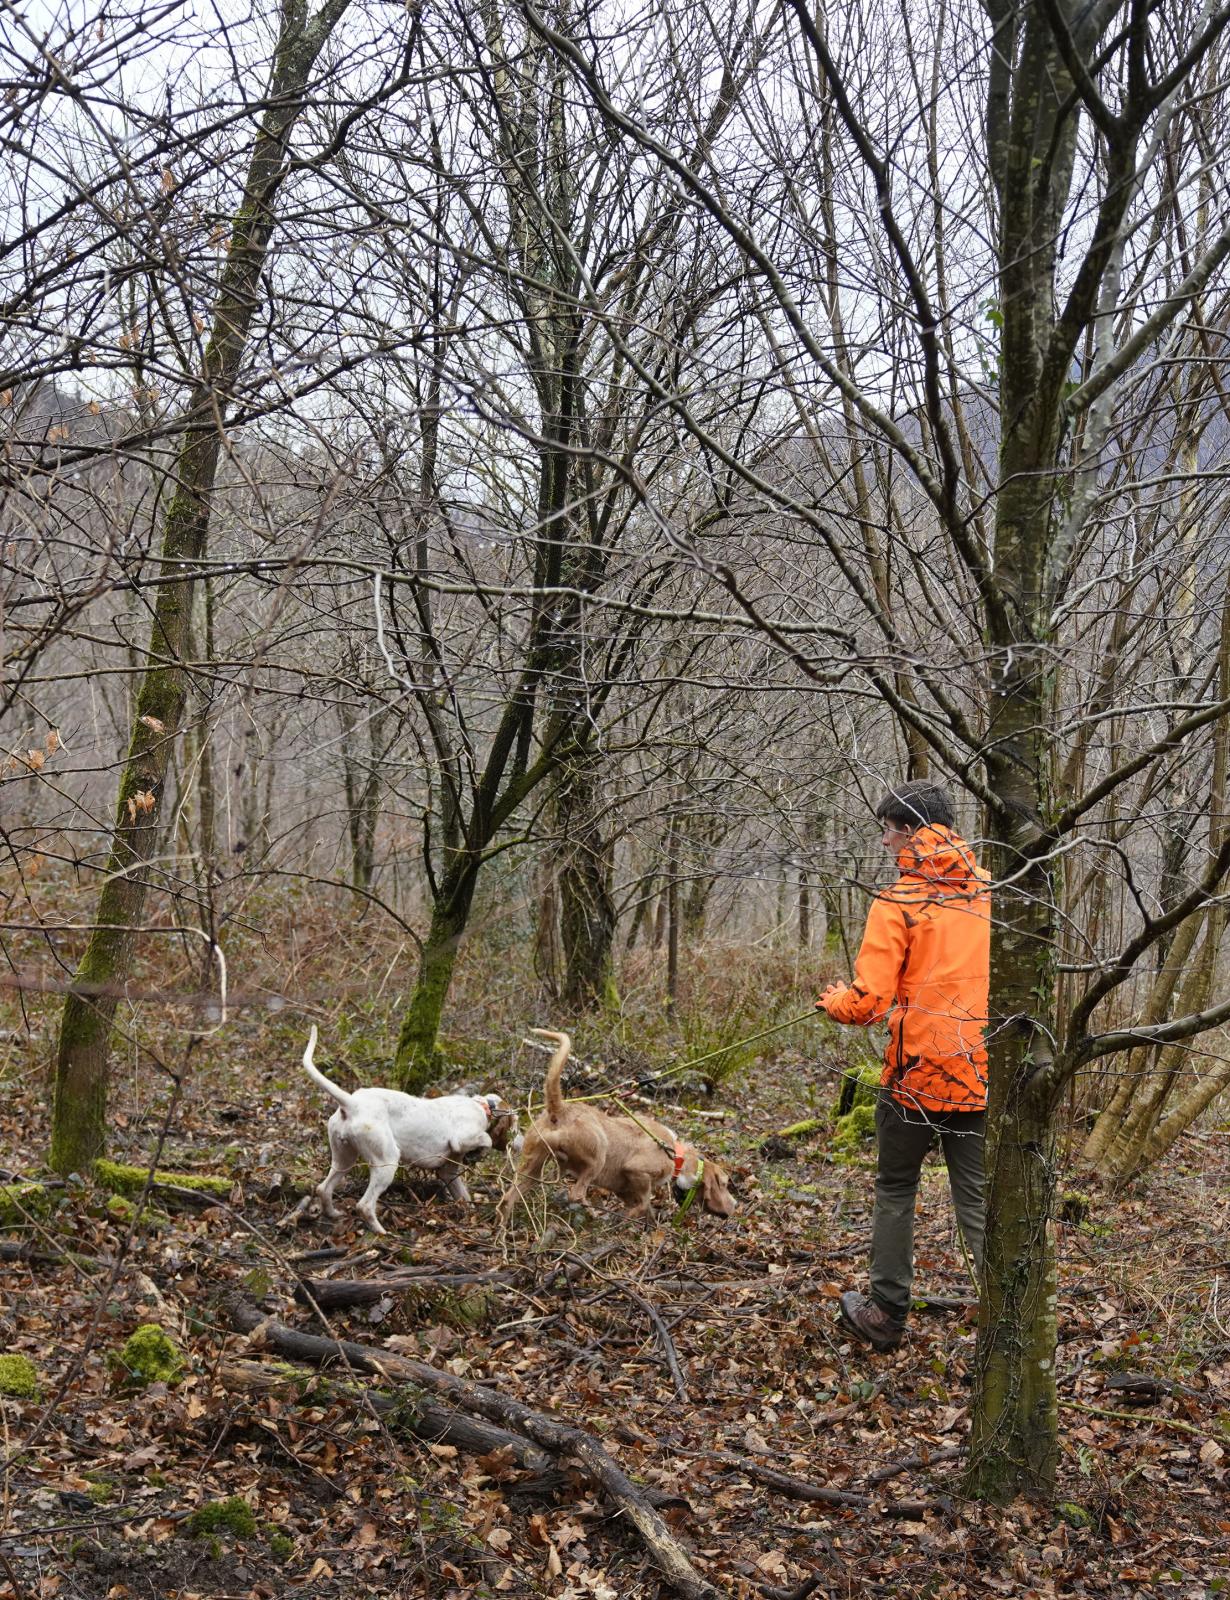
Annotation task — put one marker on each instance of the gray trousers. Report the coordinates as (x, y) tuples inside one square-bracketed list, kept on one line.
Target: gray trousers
[(903, 1137)]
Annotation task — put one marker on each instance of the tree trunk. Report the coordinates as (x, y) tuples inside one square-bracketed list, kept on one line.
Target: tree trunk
[(1032, 141), (1150, 1094), (1108, 1130), (672, 917), (587, 911), (1129, 1134), (80, 1093), (417, 1062), (1199, 1094), (547, 955), (361, 783), (645, 902)]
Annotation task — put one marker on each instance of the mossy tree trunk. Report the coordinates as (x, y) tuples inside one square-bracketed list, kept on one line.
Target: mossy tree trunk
[(1040, 86), (417, 1062), (81, 1079), (1032, 132)]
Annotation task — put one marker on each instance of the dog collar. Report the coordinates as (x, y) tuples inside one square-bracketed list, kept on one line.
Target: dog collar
[(485, 1103), (680, 1158)]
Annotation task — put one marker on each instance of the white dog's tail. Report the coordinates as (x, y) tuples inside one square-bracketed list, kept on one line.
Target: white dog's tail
[(318, 1077)]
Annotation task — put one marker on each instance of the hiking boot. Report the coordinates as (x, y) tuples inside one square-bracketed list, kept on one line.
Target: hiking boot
[(869, 1322)]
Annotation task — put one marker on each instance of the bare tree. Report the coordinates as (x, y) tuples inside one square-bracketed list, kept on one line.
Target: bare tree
[(991, 455), (78, 1126)]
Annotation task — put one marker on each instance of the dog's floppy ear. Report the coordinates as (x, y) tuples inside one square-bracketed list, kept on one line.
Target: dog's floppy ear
[(717, 1197), (503, 1123)]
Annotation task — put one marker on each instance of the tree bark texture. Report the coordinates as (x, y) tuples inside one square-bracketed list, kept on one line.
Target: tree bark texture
[(1014, 1442), (587, 910)]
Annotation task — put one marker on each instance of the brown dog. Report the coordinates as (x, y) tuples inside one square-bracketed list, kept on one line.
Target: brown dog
[(632, 1157)]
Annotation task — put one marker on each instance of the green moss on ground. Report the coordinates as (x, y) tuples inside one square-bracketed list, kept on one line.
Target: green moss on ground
[(281, 1548), (800, 1130), (151, 1356), (125, 1180), (233, 1515), (18, 1377), (19, 1202), (853, 1130)]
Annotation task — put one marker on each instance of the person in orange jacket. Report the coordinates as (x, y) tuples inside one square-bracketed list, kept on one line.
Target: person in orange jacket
[(924, 967)]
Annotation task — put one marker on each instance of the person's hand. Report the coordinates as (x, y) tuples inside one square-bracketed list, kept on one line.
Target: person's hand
[(831, 993)]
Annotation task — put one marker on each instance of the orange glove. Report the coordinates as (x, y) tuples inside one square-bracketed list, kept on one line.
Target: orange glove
[(831, 993)]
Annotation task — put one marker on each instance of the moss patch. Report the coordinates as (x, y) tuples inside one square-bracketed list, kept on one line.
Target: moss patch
[(864, 1082), (233, 1515), (281, 1548), (21, 1201), (151, 1356), (124, 1180), (18, 1377), (854, 1129)]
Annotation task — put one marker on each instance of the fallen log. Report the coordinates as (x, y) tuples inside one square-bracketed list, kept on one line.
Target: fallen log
[(1144, 1388), (191, 1190), (560, 1437), (944, 1302), (427, 1421), (821, 1494), (908, 1463), (432, 1423), (39, 1255), (327, 1294)]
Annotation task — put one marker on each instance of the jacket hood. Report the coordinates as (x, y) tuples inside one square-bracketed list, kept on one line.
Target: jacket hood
[(938, 855)]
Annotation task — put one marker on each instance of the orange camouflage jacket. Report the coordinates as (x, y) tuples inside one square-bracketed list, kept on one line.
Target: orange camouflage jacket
[(925, 965)]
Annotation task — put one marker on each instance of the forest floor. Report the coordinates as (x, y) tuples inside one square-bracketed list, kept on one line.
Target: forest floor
[(704, 1356)]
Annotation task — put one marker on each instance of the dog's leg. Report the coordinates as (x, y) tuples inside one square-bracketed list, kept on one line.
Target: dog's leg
[(450, 1173), (382, 1156), (638, 1197), (344, 1156), (534, 1156), (378, 1181), (578, 1189)]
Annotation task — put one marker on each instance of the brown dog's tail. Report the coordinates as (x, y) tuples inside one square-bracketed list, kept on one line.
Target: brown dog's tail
[(551, 1090)]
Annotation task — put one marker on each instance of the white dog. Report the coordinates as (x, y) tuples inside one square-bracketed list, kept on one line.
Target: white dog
[(384, 1127)]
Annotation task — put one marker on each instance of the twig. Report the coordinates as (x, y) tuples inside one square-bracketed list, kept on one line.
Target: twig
[(1138, 1417), (882, 1474), (146, 1514), (668, 1344), (796, 1488), (821, 1494), (19, 1589), (799, 1592)]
